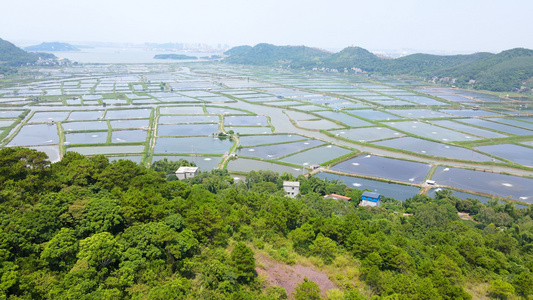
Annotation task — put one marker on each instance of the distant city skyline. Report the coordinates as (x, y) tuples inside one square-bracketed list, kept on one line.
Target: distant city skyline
[(445, 27)]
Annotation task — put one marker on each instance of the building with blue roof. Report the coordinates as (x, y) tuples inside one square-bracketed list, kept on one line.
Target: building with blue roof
[(370, 199)]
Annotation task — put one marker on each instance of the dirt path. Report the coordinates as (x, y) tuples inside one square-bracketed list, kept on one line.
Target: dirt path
[(288, 277)]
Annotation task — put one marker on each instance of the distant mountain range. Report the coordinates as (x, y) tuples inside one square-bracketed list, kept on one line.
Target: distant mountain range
[(506, 71), (54, 46)]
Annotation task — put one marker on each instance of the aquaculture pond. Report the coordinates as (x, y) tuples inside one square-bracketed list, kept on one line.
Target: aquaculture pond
[(459, 194), (193, 145), (181, 110), (51, 151), (43, 117), (188, 119), (367, 134), (85, 115), (514, 187), (86, 137), (514, 122), (433, 148), (469, 113), (187, 129), (10, 114), (422, 100), (245, 120), (316, 155), (84, 126), (128, 114), (383, 167), (249, 130), (33, 135), (248, 165), (255, 140), (279, 150), (129, 136), (204, 163), (419, 113), (95, 150), (318, 124), (393, 190), (497, 126), (430, 131), (373, 114), (224, 111), (514, 153), (344, 118), (129, 124), (470, 129)]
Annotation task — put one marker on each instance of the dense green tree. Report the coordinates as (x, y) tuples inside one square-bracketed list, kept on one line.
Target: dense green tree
[(243, 260), (307, 290)]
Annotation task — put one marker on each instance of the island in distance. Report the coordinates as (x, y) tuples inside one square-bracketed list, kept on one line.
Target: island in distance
[(174, 56), (54, 46)]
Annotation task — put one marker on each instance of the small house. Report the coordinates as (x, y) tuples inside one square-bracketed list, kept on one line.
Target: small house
[(292, 188), (370, 199), (186, 172), (337, 197)]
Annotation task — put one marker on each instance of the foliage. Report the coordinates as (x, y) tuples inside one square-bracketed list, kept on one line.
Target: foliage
[(87, 228)]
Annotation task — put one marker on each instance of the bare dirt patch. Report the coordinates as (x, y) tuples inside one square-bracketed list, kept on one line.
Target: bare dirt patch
[(288, 277)]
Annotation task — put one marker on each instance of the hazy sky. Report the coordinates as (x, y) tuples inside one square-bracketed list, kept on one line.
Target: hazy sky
[(425, 25)]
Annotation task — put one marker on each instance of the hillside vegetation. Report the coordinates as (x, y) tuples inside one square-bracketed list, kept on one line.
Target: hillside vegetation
[(505, 71), (87, 228), (11, 56)]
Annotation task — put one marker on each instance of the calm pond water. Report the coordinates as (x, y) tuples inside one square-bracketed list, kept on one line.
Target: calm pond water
[(249, 130), (187, 129), (188, 119), (344, 118), (430, 131), (497, 126), (373, 114), (82, 126), (318, 124), (193, 145), (86, 138), (418, 113), (279, 150), (316, 155), (469, 113), (85, 115), (254, 140), (33, 135), (433, 148), (42, 117), (182, 110), (515, 153), (392, 190), (247, 165), (383, 167), (245, 120), (460, 195), (128, 114), (9, 114), (367, 134), (129, 136), (95, 150), (129, 124), (517, 188), (470, 129)]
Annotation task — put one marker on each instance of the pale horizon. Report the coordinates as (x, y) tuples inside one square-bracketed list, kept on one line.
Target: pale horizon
[(379, 26)]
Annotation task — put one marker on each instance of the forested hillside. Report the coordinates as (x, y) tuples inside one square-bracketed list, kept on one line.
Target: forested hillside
[(506, 71), (11, 56), (87, 228)]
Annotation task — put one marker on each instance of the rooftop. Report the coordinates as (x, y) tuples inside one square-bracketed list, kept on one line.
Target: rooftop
[(291, 183), (187, 169)]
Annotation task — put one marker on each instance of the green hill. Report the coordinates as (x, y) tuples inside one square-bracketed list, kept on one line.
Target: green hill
[(506, 71), (54, 46), (11, 56), (270, 55)]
